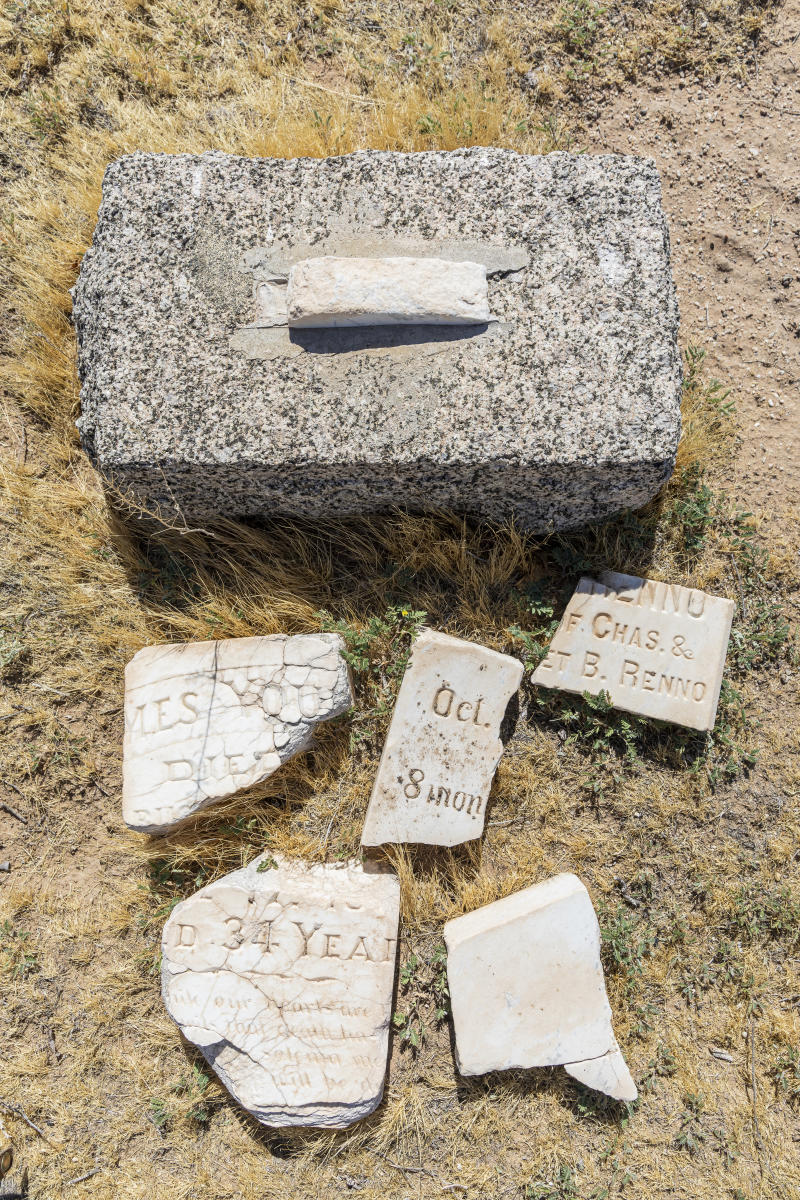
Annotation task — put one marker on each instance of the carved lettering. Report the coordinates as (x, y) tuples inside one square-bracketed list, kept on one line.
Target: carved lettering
[(178, 768), (412, 789), (330, 951), (444, 696), (630, 671), (305, 934), (235, 929), (590, 664), (360, 942), (675, 675)]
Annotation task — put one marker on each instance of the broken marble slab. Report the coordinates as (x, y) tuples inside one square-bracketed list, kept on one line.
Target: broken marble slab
[(527, 988), (282, 974), (206, 719), (443, 744), (330, 292), (657, 649)]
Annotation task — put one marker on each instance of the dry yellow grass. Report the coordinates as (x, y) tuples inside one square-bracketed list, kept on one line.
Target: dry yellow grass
[(692, 857)]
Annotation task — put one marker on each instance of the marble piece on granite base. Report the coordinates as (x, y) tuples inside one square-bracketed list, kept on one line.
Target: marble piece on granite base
[(561, 410), (657, 649), (443, 744), (337, 292), (527, 988), (206, 719), (282, 974)]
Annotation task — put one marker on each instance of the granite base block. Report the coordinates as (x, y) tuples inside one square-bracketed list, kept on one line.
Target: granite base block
[(562, 410)]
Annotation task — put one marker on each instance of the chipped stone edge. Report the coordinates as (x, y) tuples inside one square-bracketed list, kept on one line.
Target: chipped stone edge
[(300, 1114), (338, 709), (438, 636)]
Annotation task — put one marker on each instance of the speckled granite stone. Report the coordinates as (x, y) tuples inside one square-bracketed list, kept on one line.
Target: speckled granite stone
[(562, 410)]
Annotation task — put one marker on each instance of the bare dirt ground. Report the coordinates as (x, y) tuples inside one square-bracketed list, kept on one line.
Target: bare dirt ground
[(690, 850), (729, 157)]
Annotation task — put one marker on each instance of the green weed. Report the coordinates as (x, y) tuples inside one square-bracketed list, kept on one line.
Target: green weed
[(377, 654), (690, 1135), (627, 940), (562, 1187), (423, 985), (785, 1075), (16, 957)]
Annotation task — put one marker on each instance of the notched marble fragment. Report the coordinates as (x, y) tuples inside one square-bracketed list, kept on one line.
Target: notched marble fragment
[(206, 719), (329, 292), (657, 649), (527, 988), (282, 974), (443, 744)]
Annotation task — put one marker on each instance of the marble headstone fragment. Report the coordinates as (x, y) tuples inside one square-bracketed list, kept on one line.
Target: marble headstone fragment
[(658, 649), (443, 744), (527, 988), (330, 292), (206, 719), (282, 974)]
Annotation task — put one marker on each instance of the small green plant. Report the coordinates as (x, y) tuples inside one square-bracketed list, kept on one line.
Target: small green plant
[(627, 941), (48, 115), (159, 1113), (439, 988), (534, 641), (267, 864), (12, 654), (690, 1135), (423, 984), (16, 958), (758, 915), (785, 1075), (377, 653), (579, 24), (720, 1142), (692, 512), (194, 1087), (562, 1187), (760, 637), (663, 1066)]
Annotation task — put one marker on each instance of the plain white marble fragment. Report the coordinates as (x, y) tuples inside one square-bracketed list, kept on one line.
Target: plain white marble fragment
[(527, 987), (657, 649), (331, 292), (282, 974), (608, 1074), (443, 744), (206, 719)]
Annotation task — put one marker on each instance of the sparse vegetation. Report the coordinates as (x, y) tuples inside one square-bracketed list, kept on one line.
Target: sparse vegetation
[(693, 866)]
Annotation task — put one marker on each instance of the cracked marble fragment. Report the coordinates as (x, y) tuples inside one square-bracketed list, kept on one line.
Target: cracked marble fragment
[(656, 648), (282, 974), (443, 744), (329, 292), (206, 719), (527, 988)]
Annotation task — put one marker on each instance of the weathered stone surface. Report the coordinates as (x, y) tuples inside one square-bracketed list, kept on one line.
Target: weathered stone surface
[(206, 719), (527, 988), (658, 649), (282, 974), (334, 292), (195, 403), (442, 748)]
